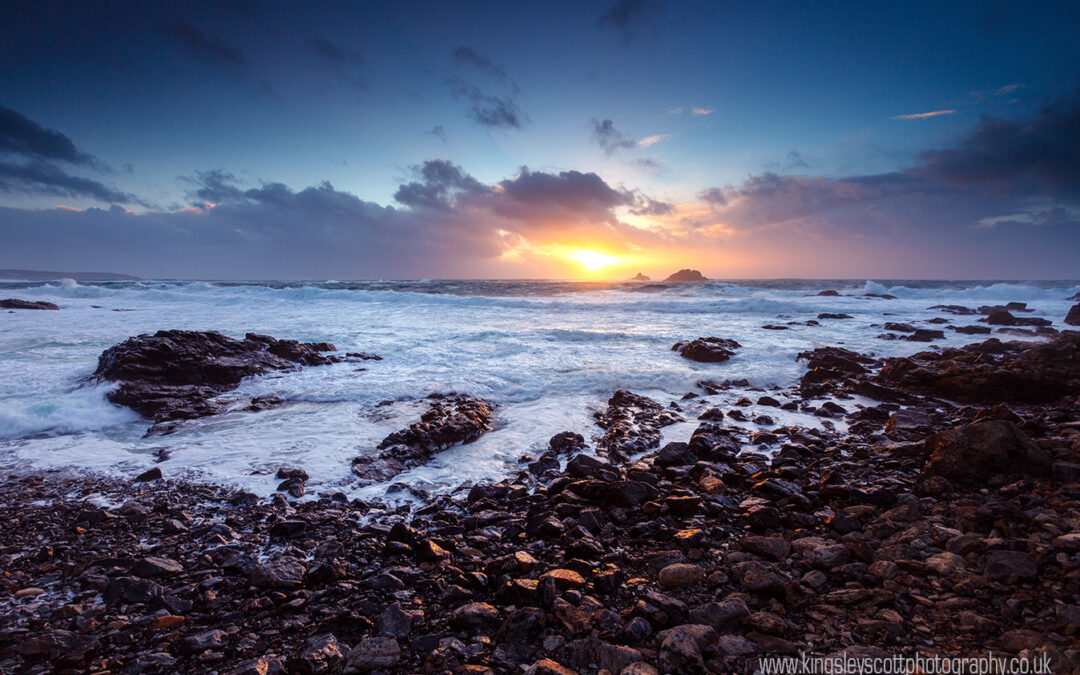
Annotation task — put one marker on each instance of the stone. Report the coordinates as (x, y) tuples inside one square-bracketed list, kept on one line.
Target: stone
[(283, 572), (149, 475), (720, 615), (976, 452), (549, 667), (564, 578), (681, 647), (680, 574), (370, 654), (707, 349), (201, 642), (151, 567), (1073, 317), (1010, 566), (773, 548), (473, 616), (321, 654)]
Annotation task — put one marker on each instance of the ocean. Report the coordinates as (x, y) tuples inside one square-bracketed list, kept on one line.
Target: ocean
[(548, 353)]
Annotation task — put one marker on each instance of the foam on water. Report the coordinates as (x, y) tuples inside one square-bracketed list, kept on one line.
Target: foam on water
[(549, 353)]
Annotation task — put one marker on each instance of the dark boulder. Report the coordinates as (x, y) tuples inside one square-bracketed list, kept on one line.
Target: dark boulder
[(978, 451), (1073, 317), (707, 349)]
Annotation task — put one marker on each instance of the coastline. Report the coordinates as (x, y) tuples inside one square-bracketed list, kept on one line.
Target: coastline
[(938, 527)]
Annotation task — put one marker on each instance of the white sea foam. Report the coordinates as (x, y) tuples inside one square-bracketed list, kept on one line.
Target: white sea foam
[(549, 353)]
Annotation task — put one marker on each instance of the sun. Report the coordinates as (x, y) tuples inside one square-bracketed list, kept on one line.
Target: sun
[(593, 260)]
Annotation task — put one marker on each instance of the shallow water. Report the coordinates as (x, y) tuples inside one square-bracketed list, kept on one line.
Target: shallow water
[(549, 353)]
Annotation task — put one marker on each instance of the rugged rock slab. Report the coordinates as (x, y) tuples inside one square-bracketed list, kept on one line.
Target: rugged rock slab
[(707, 349), (992, 371), (449, 420), (175, 374), (1073, 317), (15, 303), (632, 424)]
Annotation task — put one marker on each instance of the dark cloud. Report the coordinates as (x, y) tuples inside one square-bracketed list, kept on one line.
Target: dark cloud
[(45, 178), (213, 187), (1036, 156), (714, 196), (650, 165), (493, 112), (1003, 167), (440, 183), (438, 132), (469, 57), (20, 135), (629, 17), (609, 138), (195, 43), (333, 54), (652, 207)]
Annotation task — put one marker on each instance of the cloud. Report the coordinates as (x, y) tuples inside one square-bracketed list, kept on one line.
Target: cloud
[(795, 160), (210, 50), (438, 132), (45, 178), (924, 115), (1040, 155), (493, 112), (332, 54), (447, 223), (629, 17), (22, 136), (440, 183), (652, 207), (674, 111), (609, 138), (652, 140), (1007, 89), (696, 110), (469, 57)]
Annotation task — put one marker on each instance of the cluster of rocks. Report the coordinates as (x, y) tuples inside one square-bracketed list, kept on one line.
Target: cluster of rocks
[(448, 420), (178, 374), (707, 349), (926, 527)]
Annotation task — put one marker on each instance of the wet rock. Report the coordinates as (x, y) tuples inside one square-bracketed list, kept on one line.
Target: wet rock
[(720, 615), (448, 420), (282, 572), (175, 374), (681, 647), (983, 449), (473, 616), (15, 303), (321, 654), (549, 667), (773, 548), (832, 315), (149, 475), (201, 642), (632, 424), (151, 567), (1073, 317), (1001, 317), (707, 349), (58, 646)]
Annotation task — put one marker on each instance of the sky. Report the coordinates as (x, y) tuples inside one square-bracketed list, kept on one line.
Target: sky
[(260, 139)]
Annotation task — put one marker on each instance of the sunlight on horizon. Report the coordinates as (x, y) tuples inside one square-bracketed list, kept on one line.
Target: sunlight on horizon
[(593, 260)]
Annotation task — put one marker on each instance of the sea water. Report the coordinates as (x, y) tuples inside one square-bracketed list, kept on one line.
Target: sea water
[(548, 353)]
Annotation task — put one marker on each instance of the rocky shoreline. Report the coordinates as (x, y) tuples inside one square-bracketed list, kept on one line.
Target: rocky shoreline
[(943, 520)]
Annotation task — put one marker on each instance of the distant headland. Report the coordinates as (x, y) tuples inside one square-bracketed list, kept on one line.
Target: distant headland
[(38, 275)]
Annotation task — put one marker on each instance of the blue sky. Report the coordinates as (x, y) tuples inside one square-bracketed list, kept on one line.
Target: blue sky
[(789, 109)]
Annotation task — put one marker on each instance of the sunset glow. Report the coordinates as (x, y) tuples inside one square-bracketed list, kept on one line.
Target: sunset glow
[(593, 260)]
